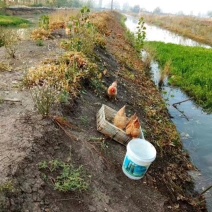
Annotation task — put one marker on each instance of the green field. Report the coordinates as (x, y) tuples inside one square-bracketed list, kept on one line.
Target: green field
[(190, 69), (12, 21)]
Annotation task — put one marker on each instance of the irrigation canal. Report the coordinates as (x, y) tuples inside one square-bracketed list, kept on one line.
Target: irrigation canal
[(194, 125)]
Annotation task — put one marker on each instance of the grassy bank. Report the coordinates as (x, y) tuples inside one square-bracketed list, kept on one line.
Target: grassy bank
[(191, 27), (12, 21), (190, 69)]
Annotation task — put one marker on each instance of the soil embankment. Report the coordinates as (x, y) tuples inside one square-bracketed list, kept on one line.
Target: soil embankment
[(27, 139), (18, 11)]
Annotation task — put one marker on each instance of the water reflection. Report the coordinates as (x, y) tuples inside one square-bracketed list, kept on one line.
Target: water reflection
[(154, 33), (196, 133), (196, 136)]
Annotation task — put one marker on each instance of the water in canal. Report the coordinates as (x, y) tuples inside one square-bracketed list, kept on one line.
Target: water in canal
[(194, 125)]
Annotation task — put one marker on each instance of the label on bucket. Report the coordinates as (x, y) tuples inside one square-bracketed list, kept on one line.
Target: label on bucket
[(133, 169)]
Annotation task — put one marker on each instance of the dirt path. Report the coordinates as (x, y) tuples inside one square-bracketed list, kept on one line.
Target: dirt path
[(15, 136)]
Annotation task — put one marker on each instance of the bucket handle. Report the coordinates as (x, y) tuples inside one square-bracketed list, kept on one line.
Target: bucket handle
[(142, 135)]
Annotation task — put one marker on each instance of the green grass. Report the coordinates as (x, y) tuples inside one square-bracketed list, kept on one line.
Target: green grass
[(65, 176), (12, 21), (191, 69)]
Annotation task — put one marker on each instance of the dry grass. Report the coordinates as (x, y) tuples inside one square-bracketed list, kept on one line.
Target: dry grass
[(66, 74), (41, 34), (117, 40), (10, 39), (62, 16), (100, 21), (192, 27), (57, 25), (57, 20), (5, 67)]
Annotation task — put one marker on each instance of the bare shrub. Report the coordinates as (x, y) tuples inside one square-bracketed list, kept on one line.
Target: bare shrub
[(9, 39), (44, 97)]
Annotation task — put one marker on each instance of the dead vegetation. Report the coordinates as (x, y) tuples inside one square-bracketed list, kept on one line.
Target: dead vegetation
[(41, 34), (9, 39)]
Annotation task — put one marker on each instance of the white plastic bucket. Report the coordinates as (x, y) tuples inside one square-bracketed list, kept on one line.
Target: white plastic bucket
[(139, 156)]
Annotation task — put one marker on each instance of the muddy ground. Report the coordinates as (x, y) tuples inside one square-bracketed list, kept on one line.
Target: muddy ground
[(26, 139)]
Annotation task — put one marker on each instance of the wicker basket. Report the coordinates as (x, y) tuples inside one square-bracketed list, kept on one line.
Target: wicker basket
[(105, 118)]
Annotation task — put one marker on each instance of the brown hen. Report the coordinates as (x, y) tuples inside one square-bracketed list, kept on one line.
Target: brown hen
[(130, 124), (134, 128), (120, 119), (112, 90)]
